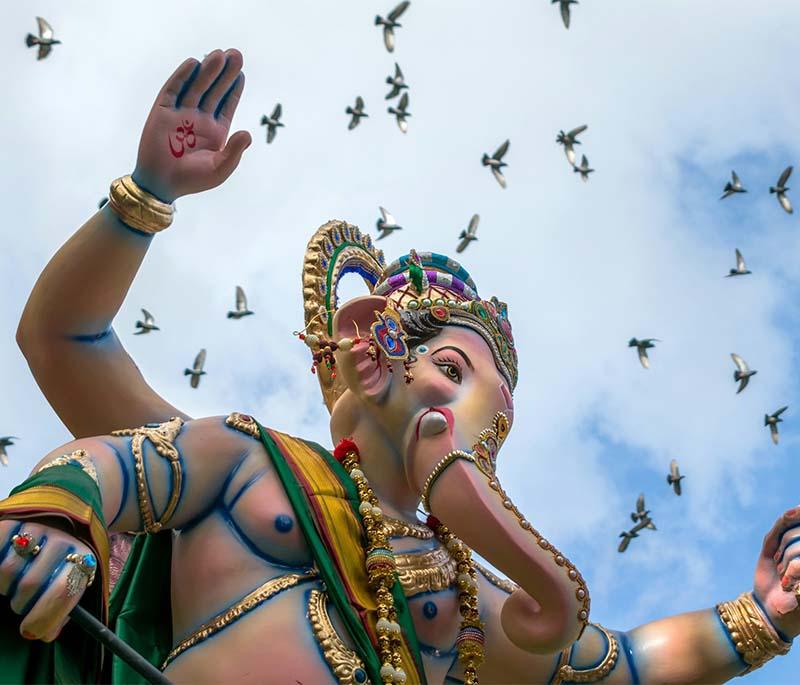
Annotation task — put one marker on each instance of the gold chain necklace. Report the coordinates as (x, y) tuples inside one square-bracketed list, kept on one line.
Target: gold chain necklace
[(406, 529)]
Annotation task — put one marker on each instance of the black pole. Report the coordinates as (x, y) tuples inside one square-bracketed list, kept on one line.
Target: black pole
[(123, 650)]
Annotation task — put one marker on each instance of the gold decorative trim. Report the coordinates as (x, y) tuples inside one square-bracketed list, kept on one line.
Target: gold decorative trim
[(752, 636), (244, 423), (161, 436), (504, 584), (407, 529), (567, 674), (138, 208), (79, 458), (254, 599), (343, 662), (428, 571)]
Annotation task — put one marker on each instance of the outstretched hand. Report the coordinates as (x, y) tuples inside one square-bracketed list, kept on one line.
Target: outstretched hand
[(777, 577), (185, 147)]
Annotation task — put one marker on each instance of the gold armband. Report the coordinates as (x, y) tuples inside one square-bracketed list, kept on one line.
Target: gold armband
[(137, 208), (437, 471), (754, 637)]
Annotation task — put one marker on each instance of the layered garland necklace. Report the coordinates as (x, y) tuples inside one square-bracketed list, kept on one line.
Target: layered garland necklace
[(380, 565)]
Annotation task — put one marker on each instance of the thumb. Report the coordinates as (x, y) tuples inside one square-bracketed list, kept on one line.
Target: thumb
[(228, 158)]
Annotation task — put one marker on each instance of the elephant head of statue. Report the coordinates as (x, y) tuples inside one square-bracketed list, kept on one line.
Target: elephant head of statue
[(418, 371)]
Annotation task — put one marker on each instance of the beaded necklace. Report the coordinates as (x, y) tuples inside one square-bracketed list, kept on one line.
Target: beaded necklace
[(380, 565)]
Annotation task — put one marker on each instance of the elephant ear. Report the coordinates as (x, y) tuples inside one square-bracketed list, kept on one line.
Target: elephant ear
[(367, 377), (336, 249)]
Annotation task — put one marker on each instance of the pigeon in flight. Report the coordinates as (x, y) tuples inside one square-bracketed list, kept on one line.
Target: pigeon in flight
[(468, 234), (397, 82), (642, 346), (569, 140), (386, 224), (741, 268), (565, 12), (742, 373), (626, 536), (733, 186), (356, 113), (6, 441), (390, 24), (272, 122), (772, 420), (45, 39), (149, 324), (495, 162), (674, 477), (401, 113), (641, 513), (645, 522), (197, 369), (241, 305), (583, 169), (780, 190)]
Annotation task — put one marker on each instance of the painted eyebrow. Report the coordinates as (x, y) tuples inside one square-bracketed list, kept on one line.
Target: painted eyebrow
[(461, 352)]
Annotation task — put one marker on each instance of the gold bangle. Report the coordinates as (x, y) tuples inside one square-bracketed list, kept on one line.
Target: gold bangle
[(137, 208), (437, 471), (753, 636)]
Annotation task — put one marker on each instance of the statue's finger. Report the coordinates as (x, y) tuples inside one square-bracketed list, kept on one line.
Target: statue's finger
[(229, 102), (39, 575), (790, 537), (52, 608), (179, 81), (773, 537), (12, 564), (210, 102), (210, 69), (227, 159)]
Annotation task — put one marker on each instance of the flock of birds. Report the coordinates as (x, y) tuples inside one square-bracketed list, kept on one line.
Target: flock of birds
[(387, 224)]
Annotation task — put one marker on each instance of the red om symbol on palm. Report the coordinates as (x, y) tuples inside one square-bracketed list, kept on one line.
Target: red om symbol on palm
[(184, 137)]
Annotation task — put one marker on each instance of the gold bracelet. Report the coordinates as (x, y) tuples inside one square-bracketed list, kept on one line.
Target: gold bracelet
[(137, 208), (753, 636), (437, 471)]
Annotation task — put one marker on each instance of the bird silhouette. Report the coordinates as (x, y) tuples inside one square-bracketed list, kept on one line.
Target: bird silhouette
[(397, 82), (569, 140), (356, 113), (780, 190), (584, 170), (272, 122), (642, 346), (386, 224), (44, 40), (641, 512), (241, 305), (674, 477), (732, 187), (741, 268), (495, 162), (390, 24), (6, 441), (626, 536), (743, 372), (772, 420), (468, 235), (565, 11), (197, 369), (149, 324), (400, 112)]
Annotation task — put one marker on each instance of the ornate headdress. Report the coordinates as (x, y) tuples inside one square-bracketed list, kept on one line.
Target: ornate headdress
[(419, 285)]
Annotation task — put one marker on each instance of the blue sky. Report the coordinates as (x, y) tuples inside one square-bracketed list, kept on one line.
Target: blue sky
[(675, 94)]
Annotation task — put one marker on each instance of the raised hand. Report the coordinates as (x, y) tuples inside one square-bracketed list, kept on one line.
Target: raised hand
[(44, 584), (185, 147), (777, 577)]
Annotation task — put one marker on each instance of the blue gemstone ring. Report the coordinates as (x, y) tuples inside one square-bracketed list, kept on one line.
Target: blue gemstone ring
[(85, 564)]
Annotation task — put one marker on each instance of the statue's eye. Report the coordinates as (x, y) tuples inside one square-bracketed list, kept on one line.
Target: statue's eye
[(450, 369)]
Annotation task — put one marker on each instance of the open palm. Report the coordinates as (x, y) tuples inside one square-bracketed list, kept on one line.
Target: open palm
[(184, 147)]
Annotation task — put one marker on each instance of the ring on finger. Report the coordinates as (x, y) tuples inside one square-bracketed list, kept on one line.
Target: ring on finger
[(24, 545), (81, 574)]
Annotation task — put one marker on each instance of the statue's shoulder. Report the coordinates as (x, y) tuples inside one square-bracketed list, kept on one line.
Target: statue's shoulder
[(243, 423)]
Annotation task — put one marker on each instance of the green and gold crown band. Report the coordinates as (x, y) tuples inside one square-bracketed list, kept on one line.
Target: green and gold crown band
[(424, 287)]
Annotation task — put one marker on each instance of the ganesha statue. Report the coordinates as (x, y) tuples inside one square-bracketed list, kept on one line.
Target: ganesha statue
[(223, 550)]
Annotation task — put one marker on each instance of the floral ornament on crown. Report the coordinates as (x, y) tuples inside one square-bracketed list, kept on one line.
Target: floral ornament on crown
[(388, 334)]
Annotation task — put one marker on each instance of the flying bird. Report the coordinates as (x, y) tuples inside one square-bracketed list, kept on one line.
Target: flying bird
[(741, 268), (674, 477), (356, 113), (197, 369), (626, 536), (386, 224), (772, 420), (645, 522), (569, 140), (640, 513), (397, 82), (468, 234), (149, 324), (44, 40), (642, 346), (6, 441), (733, 186), (401, 113), (390, 24), (742, 373), (241, 305), (272, 122), (565, 12), (495, 162), (780, 190), (583, 169)]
